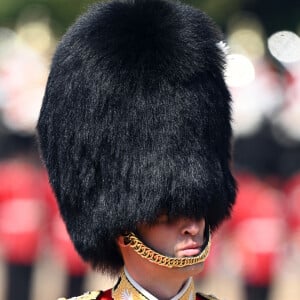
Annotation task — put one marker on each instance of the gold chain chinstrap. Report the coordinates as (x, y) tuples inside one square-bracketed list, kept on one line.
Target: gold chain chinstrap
[(162, 260)]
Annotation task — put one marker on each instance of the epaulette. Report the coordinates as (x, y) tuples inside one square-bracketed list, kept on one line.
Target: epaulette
[(208, 297), (86, 296)]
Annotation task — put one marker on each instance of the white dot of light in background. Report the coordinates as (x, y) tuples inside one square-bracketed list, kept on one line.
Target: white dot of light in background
[(23, 75), (285, 46), (37, 35), (7, 36), (24, 56), (239, 70), (246, 114), (33, 28), (7, 39), (247, 41), (246, 35), (289, 121)]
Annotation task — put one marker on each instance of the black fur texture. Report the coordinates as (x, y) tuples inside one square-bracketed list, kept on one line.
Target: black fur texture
[(136, 122)]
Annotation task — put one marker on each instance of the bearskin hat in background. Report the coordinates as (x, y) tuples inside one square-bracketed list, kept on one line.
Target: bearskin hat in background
[(136, 122)]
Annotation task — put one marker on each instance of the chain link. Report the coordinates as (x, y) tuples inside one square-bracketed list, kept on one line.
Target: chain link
[(162, 260)]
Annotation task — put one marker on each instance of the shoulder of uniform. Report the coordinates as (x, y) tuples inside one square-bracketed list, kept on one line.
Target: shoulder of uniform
[(207, 297), (86, 296)]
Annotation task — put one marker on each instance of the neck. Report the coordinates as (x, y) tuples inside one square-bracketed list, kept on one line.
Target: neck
[(160, 285), (161, 282)]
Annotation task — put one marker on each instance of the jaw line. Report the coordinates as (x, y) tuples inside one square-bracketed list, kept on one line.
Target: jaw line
[(170, 262)]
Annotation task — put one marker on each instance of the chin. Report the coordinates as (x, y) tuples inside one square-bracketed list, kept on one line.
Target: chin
[(192, 270)]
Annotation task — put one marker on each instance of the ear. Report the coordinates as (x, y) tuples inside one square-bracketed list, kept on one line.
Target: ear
[(120, 241)]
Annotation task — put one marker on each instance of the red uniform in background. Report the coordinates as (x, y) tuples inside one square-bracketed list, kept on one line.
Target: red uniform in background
[(63, 249), (22, 223), (292, 193), (29, 217), (257, 230), (22, 211)]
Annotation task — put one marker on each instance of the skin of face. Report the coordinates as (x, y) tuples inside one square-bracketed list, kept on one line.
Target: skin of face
[(181, 237)]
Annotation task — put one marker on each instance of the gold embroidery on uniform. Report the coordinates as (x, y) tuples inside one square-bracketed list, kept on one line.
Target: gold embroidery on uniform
[(86, 296), (140, 248), (124, 290), (208, 297)]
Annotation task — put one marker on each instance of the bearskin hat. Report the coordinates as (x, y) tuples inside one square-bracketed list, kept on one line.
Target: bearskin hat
[(135, 122)]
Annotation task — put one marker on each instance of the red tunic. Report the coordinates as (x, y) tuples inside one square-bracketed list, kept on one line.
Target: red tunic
[(61, 244), (257, 229), (22, 211)]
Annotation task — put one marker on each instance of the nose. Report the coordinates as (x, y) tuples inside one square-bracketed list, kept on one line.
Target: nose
[(193, 227)]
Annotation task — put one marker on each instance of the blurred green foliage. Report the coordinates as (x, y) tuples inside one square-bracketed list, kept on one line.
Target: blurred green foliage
[(61, 13)]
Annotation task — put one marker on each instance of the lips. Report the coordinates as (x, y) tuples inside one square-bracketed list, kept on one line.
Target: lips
[(192, 249)]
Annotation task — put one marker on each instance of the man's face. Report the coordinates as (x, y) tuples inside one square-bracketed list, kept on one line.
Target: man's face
[(181, 237)]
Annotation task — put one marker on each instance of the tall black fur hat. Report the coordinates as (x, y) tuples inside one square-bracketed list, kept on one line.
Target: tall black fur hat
[(136, 122)]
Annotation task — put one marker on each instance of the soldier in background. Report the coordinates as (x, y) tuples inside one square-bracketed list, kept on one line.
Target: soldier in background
[(22, 212)]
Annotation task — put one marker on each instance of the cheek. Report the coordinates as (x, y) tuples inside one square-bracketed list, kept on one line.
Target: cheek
[(162, 240)]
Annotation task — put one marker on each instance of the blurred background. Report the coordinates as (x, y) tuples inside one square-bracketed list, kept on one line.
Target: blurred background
[(255, 255)]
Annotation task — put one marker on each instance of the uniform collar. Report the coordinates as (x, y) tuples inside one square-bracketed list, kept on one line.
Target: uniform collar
[(128, 289)]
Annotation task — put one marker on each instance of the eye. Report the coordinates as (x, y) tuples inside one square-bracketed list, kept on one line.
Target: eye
[(163, 219)]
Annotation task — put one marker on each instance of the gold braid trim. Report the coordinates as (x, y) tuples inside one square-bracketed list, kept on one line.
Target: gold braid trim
[(208, 297), (86, 296), (126, 290), (140, 248)]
